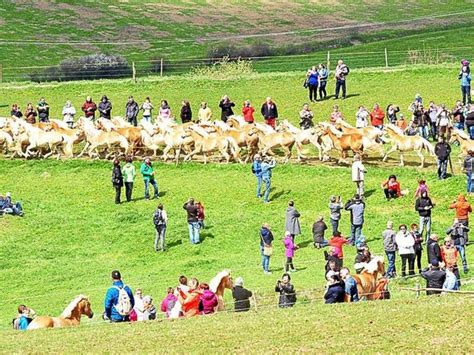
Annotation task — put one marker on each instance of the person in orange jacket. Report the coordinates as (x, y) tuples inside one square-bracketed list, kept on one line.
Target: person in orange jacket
[(449, 255), (463, 208), (337, 241), (191, 300), (377, 116)]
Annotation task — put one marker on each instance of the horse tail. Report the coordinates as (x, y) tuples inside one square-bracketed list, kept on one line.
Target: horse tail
[(427, 146)]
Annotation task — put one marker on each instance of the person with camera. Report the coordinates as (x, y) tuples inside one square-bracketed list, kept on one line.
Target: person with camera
[(465, 78), (43, 110), (458, 233), (434, 277), (267, 167), (105, 108), (193, 221), (287, 292), (266, 247), (269, 112), (458, 116), (392, 111), (312, 77), (342, 70), (357, 208), (226, 108), (443, 120), (306, 117), (248, 111)]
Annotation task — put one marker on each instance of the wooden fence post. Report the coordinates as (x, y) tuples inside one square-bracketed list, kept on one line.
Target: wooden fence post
[(161, 67), (1, 73), (328, 59), (386, 58), (255, 301), (134, 73), (417, 288)]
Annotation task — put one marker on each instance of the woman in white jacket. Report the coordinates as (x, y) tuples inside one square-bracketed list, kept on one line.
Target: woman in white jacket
[(68, 114), (405, 245)]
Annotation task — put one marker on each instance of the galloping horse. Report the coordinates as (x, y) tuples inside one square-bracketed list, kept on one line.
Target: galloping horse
[(218, 285), (465, 142), (71, 315), (367, 280)]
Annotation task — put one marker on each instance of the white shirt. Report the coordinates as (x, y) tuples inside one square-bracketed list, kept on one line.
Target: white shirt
[(405, 243), (68, 113), (358, 170), (362, 119)]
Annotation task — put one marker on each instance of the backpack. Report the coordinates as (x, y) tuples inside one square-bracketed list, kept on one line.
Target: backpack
[(124, 305), (346, 71), (158, 218)]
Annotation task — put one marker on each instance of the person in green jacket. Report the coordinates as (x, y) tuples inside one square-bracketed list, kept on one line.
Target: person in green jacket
[(129, 173), (149, 178)]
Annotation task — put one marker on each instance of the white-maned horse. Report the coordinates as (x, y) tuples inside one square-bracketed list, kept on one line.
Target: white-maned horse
[(40, 139)]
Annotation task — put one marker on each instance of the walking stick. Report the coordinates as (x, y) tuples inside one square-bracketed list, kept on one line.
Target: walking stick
[(450, 165)]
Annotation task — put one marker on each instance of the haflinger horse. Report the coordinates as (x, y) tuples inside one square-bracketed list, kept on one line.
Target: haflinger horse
[(372, 136), (465, 142), (269, 139), (368, 281), (404, 143), (343, 142), (71, 315)]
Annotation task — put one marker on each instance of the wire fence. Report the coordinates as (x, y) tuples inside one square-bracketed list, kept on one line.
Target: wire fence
[(383, 58)]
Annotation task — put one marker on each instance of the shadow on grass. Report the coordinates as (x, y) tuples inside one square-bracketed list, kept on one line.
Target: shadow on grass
[(369, 193), (174, 244), (305, 244), (279, 194)]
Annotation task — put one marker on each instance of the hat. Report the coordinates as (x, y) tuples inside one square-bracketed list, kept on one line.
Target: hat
[(435, 262), (239, 281), (116, 275), (331, 273), (147, 299)]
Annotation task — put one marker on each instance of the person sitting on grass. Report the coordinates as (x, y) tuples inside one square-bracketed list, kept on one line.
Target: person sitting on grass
[(451, 281), (168, 302), (191, 300), (362, 257), (318, 233), (287, 292), (24, 317), (241, 296), (391, 188), (8, 207), (350, 285), (335, 290), (208, 300), (333, 263)]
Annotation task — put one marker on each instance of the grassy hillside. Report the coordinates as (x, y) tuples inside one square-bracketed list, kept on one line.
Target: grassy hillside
[(73, 235), (144, 31)]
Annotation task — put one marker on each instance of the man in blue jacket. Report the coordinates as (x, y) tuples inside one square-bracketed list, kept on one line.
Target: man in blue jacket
[(267, 167), (257, 171), (117, 305)]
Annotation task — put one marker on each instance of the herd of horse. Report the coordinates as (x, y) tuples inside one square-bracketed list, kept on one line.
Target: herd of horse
[(234, 140), (370, 284)]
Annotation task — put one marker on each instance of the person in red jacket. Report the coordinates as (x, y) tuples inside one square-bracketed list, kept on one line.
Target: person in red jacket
[(391, 187), (89, 107), (191, 300), (337, 241), (377, 116), (248, 111), (463, 208)]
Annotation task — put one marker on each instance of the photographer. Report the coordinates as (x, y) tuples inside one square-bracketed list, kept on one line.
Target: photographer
[(443, 120), (357, 208), (248, 111), (226, 108), (434, 277), (287, 292), (267, 166), (306, 117)]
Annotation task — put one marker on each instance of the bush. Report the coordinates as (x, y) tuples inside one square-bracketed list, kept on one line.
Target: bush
[(223, 69)]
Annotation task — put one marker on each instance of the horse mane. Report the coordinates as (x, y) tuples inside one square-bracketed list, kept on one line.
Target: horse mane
[(290, 127), (199, 130), (239, 119), (223, 126), (373, 265), (343, 123), (395, 129), (216, 281), (264, 128), (67, 313)]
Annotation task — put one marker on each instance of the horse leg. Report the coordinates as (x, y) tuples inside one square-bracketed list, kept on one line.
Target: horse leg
[(287, 151), (83, 150), (422, 158), (390, 151), (402, 163)]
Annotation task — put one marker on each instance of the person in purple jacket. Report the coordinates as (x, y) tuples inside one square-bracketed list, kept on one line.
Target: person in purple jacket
[(209, 300), (290, 248)]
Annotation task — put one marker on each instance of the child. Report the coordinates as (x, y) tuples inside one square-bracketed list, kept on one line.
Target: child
[(290, 248), (333, 263), (200, 214), (24, 317), (169, 302), (422, 187), (335, 206)]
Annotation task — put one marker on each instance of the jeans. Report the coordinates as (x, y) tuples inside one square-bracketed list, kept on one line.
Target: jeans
[(442, 168), (118, 191), (313, 92), (322, 89), (128, 190), (147, 118), (411, 264), (360, 188), (259, 186), (462, 252), (160, 237), (265, 260), (335, 225), (194, 232), (390, 194), (470, 130), (459, 125), (133, 121), (424, 132), (356, 231), (340, 84), (418, 258), (434, 131), (466, 94), (425, 221), (147, 191), (469, 184), (268, 183), (391, 263)]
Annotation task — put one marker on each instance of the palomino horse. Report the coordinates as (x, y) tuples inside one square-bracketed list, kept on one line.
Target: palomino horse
[(218, 284), (241, 136), (40, 139), (304, 136), (367, 280), (465, 142), (404, 143), (372, 136), (269, 139), (343, 142), (71, 316)]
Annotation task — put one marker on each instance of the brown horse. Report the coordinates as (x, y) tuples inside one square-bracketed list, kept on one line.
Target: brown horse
[(218, 285), (70, 317), (343, 142), (367, 280)]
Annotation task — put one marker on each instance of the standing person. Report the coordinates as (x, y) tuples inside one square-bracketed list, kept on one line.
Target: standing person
[(468, 167), (401, 123), (205, 113), (193, 222), (89, 107), (319, 227), (323, 79), (312, 77), (43, 110), (248, 111), (200, 214), (117, 180), (390, 249), (15, 111), (287, 292), (119, 300), (148, 173), (442, 152), (129, 173), (165, 111), (458, 116), (226, 108), (405, 244), (357, 207), (434, 277), (241, 296), (306, 117), (131, 111), (392, 111), (350, 286), (443, 121), (377, 117), (465, 78), (469, 114), (147, 108), (269, 112), (362, 116), (458, 233), (290, 248), (160, 220), (358, 171), (68, 114), (433, 250), (335, 207), (292, 223), (423, 206), (423, 124), (432, 113), (257, 171), (342, 70), (418, 245), (266, 247), (105, 108), (463, 208), (186, 114), (267, 167)]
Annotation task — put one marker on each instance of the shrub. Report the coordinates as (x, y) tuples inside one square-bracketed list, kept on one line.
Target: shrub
[(223, 69)]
